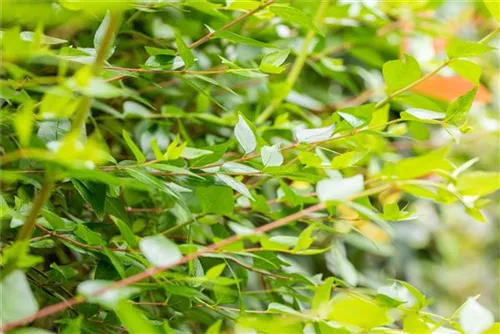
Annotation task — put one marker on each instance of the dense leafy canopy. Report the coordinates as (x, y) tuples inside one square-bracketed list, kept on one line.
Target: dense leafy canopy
[(241, 166)]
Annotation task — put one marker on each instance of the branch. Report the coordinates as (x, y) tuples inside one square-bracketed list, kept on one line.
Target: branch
[(430, 74), (209, 249), (155, 270), (80, 116), (262, 272), (209, 36), (42, 196), (81, 244), (413, 84), (180, 72)]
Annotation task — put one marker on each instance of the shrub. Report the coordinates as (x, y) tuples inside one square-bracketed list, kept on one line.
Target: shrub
[(238, 166)]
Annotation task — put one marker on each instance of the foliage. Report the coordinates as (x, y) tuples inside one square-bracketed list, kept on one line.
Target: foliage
[(236, 166)]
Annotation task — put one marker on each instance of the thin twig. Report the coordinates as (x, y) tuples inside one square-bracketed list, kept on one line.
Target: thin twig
[(80, 244), (262, 272), (155, 270), (209, 36)]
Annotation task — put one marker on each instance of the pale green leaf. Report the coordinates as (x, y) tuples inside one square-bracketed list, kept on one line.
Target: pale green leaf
[(134, 319), (400, 73), (467, 69), (494, 8), (458, 48), (99, 291), (358, 311), (16, 297), (139, 156), (339, 189), (475, 318), (458, 109), (160, 251), (478, 183), (213, 273), (295, 16), (184, 51), (312, 135), (235, 184), (271, 155)]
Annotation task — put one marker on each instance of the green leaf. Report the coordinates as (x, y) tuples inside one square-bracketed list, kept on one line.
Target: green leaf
[(342, 265), (245, 135), (458, 109), (152, 51), (152, 182), (271, 155), (54, 220), (305, 239), (295, 16), (348, 159), (29, 36), (94, 193), (184, 51), (357, 116), (99, 35), (283, 309), (139, 156), (339, 189), (174, 150), (175, 169), (415, 167), (215, 327), (159, 251), (494, 8), (134, 319), (478, 183), (310, 159), (322, 294), (235, 184), (92, 238), (271, 63), (115, 261), (235, 38), (467, 69), (160, 61), (134, 109), (391, 211), (16, 297), (194, 153), (126, 232), (422, 114), (115, 207), (206, 7), (16, 255), (400, 73), (457, 48), (358, 311), (419, 296), (23, 122), (106, 297), (215, 199), (414, 324), (73, 326), (213, 273)]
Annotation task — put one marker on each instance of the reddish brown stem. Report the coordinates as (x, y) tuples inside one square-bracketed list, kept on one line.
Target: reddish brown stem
[(155, 270), (209, 36)]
